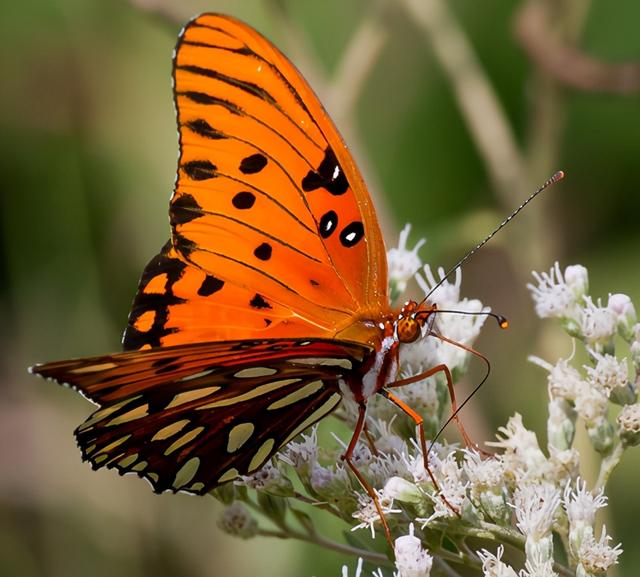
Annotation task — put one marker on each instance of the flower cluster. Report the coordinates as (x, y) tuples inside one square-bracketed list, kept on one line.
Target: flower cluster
[(526, 495)]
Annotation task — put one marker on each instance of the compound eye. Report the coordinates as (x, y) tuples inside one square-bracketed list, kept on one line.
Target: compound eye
[(408, 330)]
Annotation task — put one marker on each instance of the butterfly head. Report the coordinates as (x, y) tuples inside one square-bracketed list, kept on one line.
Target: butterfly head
[(411, 319)]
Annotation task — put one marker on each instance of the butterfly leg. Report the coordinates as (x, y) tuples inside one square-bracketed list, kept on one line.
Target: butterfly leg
[(348, 454), (419, 421), (452, 395)]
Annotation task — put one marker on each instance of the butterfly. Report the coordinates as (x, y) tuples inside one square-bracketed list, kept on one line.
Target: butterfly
[(268, 305)]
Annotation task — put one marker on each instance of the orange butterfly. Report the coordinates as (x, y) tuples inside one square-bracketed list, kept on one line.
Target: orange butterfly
[(270, 301)]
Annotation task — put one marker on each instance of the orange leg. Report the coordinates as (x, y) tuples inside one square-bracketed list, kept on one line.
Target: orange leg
[(452, 394), (423, 443), (360, 425)]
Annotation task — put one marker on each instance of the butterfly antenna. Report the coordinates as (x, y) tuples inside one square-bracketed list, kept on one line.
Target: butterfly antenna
[(555, 178)]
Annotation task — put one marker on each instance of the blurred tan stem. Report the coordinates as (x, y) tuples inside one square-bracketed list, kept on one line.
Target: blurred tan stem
[(478, 102)]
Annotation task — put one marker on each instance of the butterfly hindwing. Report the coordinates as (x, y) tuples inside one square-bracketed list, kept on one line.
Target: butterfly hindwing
[(189, 418)]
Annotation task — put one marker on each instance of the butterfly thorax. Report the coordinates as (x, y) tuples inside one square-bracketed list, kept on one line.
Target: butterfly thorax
[(386, 336)]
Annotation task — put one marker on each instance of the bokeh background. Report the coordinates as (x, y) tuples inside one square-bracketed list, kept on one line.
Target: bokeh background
[(455, 111)]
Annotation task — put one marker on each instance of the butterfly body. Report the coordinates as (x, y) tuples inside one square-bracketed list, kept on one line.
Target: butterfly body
[(270, 301)]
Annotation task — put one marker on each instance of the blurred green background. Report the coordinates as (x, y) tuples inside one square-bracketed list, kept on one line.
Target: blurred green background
[(87, 163)]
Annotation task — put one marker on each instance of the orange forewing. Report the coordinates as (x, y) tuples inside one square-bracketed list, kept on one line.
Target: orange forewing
[(268, 197)]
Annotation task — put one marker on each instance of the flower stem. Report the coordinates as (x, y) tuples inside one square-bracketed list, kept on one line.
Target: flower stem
[(287, 533), (607, 466)]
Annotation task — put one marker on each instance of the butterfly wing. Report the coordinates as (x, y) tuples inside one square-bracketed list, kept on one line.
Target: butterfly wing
[(189, 418), (268, 200)]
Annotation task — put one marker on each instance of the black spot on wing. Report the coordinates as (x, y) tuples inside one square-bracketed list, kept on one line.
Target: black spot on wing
[(210, 285), (202, 128), (204, 98), (328, 224), (253, 164), (200, 169), (258, 302), (244, 200), (263, 252), (183, 209), (328, 175), (351, 234)]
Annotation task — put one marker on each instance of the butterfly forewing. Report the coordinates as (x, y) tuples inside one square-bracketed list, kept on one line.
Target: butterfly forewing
[(262, 199), (192, 417)]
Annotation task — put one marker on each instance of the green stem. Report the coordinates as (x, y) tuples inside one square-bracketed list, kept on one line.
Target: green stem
[(608, 464), (287, 533), (317, 504)]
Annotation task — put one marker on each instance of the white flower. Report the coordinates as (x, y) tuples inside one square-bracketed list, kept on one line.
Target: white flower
[(629, 419), (493, 566), (487, 485), (537, 568), (358, 573), (535, 505), (565, 381), (580, 504), (554, 297), (622, 307), (483, 473), (597, 324), (411, 559), (368, 514), (591, 404), (577, 278), (597, 556), (302, 455), (523, 456), (403, 263), (447, 294), (448, 502), (269, 478), (563, 465), (608, 374)]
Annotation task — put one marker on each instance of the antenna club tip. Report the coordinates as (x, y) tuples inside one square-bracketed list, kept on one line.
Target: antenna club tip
[(502, 322), (558, 176)]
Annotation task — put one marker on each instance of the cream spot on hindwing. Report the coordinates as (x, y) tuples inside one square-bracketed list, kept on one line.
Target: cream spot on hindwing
[(261, 455), (252, 394), (252, 372), (187, 396), (239, 435), (186, 438), (298, 395), (230, 474), (186, 473), (170, 430)]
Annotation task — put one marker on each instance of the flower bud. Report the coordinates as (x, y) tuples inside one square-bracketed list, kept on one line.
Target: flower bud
[(411, 559), (561, 424), (622, 307), (237, 521), (629, 425), (601, 434), (577, 278)]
